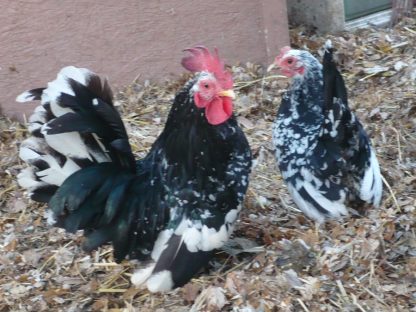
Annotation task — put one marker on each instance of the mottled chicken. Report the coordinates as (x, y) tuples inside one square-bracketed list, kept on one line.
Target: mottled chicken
[(175, 206), (322, 150)]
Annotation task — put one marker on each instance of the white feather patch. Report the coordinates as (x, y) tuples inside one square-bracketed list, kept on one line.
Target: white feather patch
[(141, 276), (69, 144), (161, 243), (39, 115), (56, 175), (61, 85), (50, 217), (160, 282), (328, 44), (27, 154), (26, 179), (306, 207), (100, 157), (371, 185), (25, 97), (192, 238), (336, 209), (213, 239), (232, 215), (33, 149), (200, 237)]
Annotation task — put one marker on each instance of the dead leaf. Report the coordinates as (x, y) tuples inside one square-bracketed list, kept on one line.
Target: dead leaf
[(210, 299), (190, 291)]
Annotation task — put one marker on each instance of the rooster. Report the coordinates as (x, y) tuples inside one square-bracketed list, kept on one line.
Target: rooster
[(172, 208), (322, 150)]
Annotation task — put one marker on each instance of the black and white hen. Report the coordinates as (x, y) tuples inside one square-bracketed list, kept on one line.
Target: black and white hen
[(175, 206), (322, 150)]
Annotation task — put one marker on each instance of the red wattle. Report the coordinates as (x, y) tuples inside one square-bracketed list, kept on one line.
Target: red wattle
[(219, 110)]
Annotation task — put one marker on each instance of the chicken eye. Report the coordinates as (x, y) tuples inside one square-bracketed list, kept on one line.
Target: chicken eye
[(206, 86), (290, 61)]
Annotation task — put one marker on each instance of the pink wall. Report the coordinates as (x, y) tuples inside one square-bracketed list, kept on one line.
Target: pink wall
[(121, 39)]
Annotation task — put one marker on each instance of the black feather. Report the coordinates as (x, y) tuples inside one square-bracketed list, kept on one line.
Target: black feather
[(43, 193), (334, 86), (36, 93), (67, 123)]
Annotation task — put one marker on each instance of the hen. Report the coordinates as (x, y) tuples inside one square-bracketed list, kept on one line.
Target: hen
[(175, 206), (322, 150)]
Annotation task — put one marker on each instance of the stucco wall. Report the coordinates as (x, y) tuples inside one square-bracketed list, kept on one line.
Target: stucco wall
[(325, 15), (125, 38)]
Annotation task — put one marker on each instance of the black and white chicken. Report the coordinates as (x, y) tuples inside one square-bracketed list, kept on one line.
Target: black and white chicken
[(175, 206), (323, 152)]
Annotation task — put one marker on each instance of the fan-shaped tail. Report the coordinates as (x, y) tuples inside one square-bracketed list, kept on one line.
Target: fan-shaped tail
[(75, 126)]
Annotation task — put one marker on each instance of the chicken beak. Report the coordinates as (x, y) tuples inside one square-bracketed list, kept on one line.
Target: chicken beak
[(271, 67), (228, 93)]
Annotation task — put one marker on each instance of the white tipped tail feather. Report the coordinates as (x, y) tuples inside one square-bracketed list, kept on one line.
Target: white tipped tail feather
[(328, 44), (160, 282), (157, 282), (26, 96), (52, 155), (334, 209)]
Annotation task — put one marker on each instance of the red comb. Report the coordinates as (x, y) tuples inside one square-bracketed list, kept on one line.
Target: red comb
[(283, 51), (200, 59)]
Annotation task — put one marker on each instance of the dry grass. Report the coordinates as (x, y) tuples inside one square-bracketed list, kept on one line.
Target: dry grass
[(360, 264)]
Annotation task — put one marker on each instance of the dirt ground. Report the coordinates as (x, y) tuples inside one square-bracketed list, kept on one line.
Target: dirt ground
[(278, 259)]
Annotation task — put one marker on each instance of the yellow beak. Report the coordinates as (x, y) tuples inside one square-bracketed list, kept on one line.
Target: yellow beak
[(271, 66), (228, 93)]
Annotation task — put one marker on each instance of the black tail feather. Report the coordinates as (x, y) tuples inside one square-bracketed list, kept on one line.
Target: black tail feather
[(31, 95), (98, 237), (103, 199), (334, 86)]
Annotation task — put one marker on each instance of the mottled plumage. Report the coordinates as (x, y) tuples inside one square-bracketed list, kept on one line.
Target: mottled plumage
[(174, 207), (322, 150)]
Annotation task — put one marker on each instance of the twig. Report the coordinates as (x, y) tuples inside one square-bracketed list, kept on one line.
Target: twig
[(136, 78), (373, 295), (257, 198), (111, 290), (245, 84), (106, 264), (399, 150), (53, 256), (287, 206), (105, 253), (410, 30), (113, 278), (399, 45), (393, 196), (22, 214), (372, 271), (234, 268), (79, 272), (370, 75), (355, 302), (304, 307), (224, 264), (266, 178), (6, 190), (342, 290), (335, 304)]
